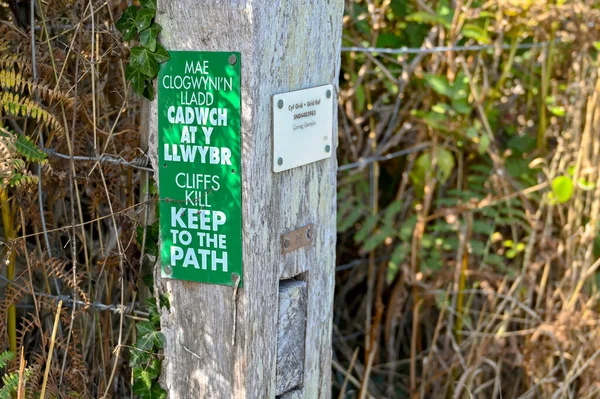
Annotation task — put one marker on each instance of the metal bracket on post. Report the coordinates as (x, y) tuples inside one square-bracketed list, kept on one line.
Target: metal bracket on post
[(297, 238)]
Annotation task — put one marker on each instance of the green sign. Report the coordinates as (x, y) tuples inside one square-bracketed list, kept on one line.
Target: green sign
[(199, 167)]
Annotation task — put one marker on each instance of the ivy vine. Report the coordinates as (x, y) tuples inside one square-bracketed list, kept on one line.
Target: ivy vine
[(145, 359), (138, 24)]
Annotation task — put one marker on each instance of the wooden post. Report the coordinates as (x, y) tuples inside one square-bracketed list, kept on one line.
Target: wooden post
[(282, 316)]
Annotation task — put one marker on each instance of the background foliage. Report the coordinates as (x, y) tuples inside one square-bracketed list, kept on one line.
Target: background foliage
[(471, 263)]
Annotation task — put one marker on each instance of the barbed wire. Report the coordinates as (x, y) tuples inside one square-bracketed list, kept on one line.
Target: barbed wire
[(439, 49), (365, 161), (137, 163), (69, 301)]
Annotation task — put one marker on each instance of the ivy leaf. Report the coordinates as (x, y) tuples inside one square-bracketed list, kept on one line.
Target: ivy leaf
[(147, 374), (149, 90), (143, 60), (126, 24), (161, 54), (562, 187), (137, 79), (153, 313), (148, 337), (151, 4), (138, 357), (143, 19), (153, 392), (148, 36)]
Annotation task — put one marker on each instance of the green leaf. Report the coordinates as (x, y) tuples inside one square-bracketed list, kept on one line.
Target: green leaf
[(138, 357), (6, 357), (350, 220), (154, 315), (475, 32), (161, 54), (562, 187), (148, 337), (445, 164), (151, 4), (148, 36), (586, 185), (558, 111), (126, 24), (484, 144), (144, 61), (511, 253), (439, 84), (29, 150), (137, 79), (149, 90), (461, 106), (143, 19), (427, 18), (153, 392), (367, 227)]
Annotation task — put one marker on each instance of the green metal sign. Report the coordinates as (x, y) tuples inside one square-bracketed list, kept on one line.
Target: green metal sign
[(199, 155)]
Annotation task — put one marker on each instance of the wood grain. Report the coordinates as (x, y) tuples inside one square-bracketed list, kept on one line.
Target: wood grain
[(285, 45), (291, 335)]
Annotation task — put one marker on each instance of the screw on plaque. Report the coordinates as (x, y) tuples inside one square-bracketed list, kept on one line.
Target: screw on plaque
[(280, 161), (328, 93), (309, 234), (232, 59), (286, 243), (234, 277), (168, 270), (327, 148), (280, 104)]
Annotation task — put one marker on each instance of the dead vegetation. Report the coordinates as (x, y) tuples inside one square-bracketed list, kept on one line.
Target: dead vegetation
[(478, 255)]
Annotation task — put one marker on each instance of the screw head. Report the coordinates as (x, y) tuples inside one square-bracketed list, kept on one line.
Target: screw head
[(280, 104), (280, 161), (234, 277), (327, 148), (232, 59), (328, 93), (168, 270), (286, 243), (309, 233)]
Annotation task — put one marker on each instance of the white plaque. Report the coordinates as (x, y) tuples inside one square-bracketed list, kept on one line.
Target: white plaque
[(302, 127)]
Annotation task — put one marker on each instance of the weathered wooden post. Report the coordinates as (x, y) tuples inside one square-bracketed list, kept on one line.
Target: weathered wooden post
[(247, 186)]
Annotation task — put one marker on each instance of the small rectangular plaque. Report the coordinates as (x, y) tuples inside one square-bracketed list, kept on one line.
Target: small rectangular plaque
[(199, 155), (297, 239), (302, 127)]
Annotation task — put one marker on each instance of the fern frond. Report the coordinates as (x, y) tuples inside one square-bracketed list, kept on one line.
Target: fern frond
[(23, 179), (29, 150), (6, 357), (16, 105), (17, 83), (11, 383)]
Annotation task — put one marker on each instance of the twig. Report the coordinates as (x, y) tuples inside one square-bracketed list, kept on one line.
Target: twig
[(51, 350)]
